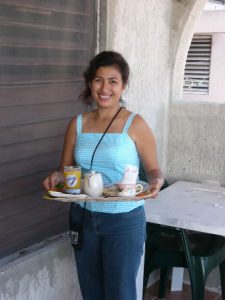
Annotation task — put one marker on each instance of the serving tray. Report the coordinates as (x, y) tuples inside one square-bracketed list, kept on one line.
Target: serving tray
[(63, 197), (144, 195)]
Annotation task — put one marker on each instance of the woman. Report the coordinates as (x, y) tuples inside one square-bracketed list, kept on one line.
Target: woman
[(114, 232)]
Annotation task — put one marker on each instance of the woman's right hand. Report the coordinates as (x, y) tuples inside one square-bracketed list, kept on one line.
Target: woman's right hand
[(52, 180)]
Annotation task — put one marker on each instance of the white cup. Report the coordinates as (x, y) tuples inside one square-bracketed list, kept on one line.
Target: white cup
[(129, 190)]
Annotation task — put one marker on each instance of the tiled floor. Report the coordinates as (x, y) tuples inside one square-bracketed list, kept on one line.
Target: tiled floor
[(185, 294)]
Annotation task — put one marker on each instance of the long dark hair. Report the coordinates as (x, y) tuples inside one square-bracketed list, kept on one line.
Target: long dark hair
[(105, 58)]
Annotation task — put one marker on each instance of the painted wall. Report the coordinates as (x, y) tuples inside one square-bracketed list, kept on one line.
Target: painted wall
[(196, 145), (213, 22), (155, 38), (46, 271), (140, 30)]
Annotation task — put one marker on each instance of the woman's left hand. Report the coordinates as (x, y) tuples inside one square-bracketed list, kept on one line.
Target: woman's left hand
[(155, 186)]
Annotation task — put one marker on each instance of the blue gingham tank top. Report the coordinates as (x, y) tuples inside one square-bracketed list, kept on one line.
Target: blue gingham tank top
[(115, 151)]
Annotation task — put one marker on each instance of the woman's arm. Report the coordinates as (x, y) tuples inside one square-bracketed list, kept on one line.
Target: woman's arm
[(144, 139), (67, 158)]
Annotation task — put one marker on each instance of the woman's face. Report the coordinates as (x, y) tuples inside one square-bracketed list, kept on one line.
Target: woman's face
[(107, 86)]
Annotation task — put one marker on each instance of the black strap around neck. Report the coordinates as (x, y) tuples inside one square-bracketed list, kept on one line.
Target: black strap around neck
[(104, 135)]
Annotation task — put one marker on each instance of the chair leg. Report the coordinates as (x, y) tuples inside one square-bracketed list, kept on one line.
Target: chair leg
[(145, 280), (195, 269), (164, 274), (147, 271), (197, 280), (147, 265), (222, 278)]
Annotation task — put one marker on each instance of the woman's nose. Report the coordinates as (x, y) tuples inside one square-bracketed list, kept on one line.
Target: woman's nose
[(105, 86)]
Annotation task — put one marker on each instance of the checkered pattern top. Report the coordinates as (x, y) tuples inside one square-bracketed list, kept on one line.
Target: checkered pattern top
[(115, 151)]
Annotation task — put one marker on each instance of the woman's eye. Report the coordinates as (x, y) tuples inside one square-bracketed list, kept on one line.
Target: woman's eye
[(97, 80), (113, 82)]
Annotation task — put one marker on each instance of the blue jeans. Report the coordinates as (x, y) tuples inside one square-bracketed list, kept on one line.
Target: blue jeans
[(110, 257)]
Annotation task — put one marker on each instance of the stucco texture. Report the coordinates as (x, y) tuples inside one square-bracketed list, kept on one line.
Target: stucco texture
[(198, 135), (140, 30), (48, 273)]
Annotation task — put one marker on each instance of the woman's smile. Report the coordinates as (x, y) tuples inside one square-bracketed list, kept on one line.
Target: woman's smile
[(104, 97)]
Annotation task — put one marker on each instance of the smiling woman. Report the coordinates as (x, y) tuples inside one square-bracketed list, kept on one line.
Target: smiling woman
[(113, 231)]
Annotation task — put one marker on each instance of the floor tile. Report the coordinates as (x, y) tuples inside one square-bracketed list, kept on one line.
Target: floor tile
[(185, 294)]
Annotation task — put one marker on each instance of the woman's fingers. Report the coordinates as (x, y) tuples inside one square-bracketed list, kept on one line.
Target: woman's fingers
[(155, 187), (46, 184), (52, 180)]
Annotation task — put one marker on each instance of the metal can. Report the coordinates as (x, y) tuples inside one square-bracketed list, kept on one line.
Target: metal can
[(72, 175)]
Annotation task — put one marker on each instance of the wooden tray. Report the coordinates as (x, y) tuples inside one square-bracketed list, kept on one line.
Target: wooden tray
[(141, 196)]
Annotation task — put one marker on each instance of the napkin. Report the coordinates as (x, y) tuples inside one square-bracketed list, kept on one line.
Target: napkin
[(130, 175), (64, 195)]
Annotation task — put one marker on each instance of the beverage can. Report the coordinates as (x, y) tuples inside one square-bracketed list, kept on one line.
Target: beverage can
[(72, 175)]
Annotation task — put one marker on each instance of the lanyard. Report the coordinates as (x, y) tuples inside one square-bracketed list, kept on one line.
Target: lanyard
[(92, 158)]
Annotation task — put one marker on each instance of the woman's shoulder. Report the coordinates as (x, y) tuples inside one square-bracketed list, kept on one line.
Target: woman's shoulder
[(137, 118), (73, 121), (72, 126), (139, 125), (126, 113)]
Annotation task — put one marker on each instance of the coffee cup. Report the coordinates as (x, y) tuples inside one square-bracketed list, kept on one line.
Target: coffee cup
[(129, 190)]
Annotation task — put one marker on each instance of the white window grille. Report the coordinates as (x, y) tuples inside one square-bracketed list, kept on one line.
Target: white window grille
[(197, 67)]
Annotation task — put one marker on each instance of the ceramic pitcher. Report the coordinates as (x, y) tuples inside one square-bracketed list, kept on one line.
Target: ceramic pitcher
[(93, 184)]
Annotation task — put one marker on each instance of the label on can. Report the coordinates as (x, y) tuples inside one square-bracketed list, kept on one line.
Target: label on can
[(72, 175)]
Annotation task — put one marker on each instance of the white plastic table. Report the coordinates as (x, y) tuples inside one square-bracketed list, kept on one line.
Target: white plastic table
[(191, 206)]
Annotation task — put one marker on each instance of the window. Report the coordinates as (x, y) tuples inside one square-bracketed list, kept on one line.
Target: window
[(197, 67)]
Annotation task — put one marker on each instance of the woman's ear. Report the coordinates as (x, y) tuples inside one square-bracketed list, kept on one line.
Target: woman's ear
[(125, 88)]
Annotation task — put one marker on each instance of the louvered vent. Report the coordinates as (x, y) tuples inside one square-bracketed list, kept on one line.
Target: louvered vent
[(197, 68), (217, 1)]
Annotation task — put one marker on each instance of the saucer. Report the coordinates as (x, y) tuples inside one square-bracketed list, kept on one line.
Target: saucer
[(112, 190)]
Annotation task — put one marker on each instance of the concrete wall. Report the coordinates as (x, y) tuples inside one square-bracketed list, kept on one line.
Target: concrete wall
[(140, 30), (43, 272), (155, 38), (213, 22), (46, 271), (196, 144), (196, 148)]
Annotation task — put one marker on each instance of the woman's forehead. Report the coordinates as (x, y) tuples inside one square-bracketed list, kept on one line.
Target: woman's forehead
[(108, 71)]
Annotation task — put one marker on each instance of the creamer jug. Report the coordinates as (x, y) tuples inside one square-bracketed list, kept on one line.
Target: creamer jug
[(93, 184)]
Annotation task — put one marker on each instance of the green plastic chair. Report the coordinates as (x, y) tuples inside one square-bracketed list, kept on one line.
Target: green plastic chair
[(167, 247)]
